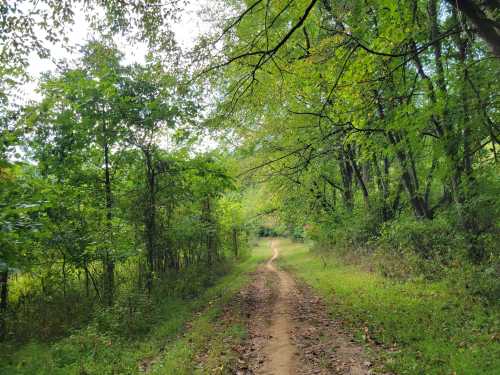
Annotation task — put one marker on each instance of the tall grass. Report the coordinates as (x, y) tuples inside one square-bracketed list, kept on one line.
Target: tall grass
[(116, 341), (426, 327)]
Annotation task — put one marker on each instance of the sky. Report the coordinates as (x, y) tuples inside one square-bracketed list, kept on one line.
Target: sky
[(189, 27)]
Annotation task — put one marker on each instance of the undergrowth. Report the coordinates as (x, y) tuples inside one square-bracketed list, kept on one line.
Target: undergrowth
[(152, 336), (426, 327)]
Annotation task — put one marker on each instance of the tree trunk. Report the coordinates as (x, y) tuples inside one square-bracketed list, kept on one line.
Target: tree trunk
[(234, 236), (383, 186), (210, 235), (487, 28), (150, 217), (467, 188), (87, 279), (409, 174), (63, 269), (359, 176), (346, 173), (467, 131), (4, 295), (410, 180), (109, 265)]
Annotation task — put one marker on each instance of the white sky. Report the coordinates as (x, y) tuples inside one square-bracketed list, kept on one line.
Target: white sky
[(190, 26)]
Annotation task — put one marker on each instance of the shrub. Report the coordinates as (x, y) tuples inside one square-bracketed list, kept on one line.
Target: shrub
[(422, 247), (345, 232)]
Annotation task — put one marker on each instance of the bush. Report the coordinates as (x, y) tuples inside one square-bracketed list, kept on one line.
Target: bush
[(483, 282), (131, 315), (346, 232), (480, 281), (421, 247), (267, 232)]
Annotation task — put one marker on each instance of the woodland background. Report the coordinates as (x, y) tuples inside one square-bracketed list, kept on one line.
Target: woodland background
[(368, 129)]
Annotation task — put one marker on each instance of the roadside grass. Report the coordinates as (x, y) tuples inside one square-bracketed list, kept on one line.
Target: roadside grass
[(180, 329), (427, 327)]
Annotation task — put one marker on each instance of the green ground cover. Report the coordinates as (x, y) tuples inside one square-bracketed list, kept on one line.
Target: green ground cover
[(166, 348), (431, 328)]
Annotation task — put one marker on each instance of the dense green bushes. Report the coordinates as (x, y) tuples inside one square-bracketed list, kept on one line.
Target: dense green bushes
[(139, 328), (49, 314), (410, 248), (98, 209), (428, 247), (406, 247)]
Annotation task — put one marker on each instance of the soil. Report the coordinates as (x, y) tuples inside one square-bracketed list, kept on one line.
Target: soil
[(291, 331)]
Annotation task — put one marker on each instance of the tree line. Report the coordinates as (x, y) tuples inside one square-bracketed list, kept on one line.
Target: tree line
[(374, 122), (366, 126), (109, 197)]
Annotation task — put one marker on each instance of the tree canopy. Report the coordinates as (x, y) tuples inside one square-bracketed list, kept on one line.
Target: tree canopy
[(367, 127)]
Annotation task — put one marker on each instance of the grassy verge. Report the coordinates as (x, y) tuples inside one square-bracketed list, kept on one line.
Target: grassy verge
[(165, 349), (430, 328)]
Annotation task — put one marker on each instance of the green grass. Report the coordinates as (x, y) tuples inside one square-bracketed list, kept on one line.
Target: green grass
[(166, 347), (432, 329)]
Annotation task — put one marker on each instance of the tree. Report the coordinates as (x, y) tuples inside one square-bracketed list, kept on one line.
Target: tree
[(368, 102), (78, 127), (153, 104)]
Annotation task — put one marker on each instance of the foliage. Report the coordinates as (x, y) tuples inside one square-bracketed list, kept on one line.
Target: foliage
[(101, 209), (140, 331), (432, 328), (372, 123), (369, 127)]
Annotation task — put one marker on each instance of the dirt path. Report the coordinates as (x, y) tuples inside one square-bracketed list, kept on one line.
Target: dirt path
[(280, 351), (291, 332)]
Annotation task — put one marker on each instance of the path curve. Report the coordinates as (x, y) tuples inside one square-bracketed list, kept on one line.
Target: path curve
[(280, 350), (290, 331)]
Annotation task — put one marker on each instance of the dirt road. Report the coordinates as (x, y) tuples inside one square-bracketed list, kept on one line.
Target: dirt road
[(280, 351), (291, 332)]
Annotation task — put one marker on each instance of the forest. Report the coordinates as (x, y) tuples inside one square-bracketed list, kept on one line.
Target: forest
[(249, 187)]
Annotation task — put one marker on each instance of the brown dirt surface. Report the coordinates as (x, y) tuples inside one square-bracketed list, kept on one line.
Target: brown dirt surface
[(290, 331)]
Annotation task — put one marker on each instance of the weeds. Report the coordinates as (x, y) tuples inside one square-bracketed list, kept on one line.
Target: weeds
[(426, 327)]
